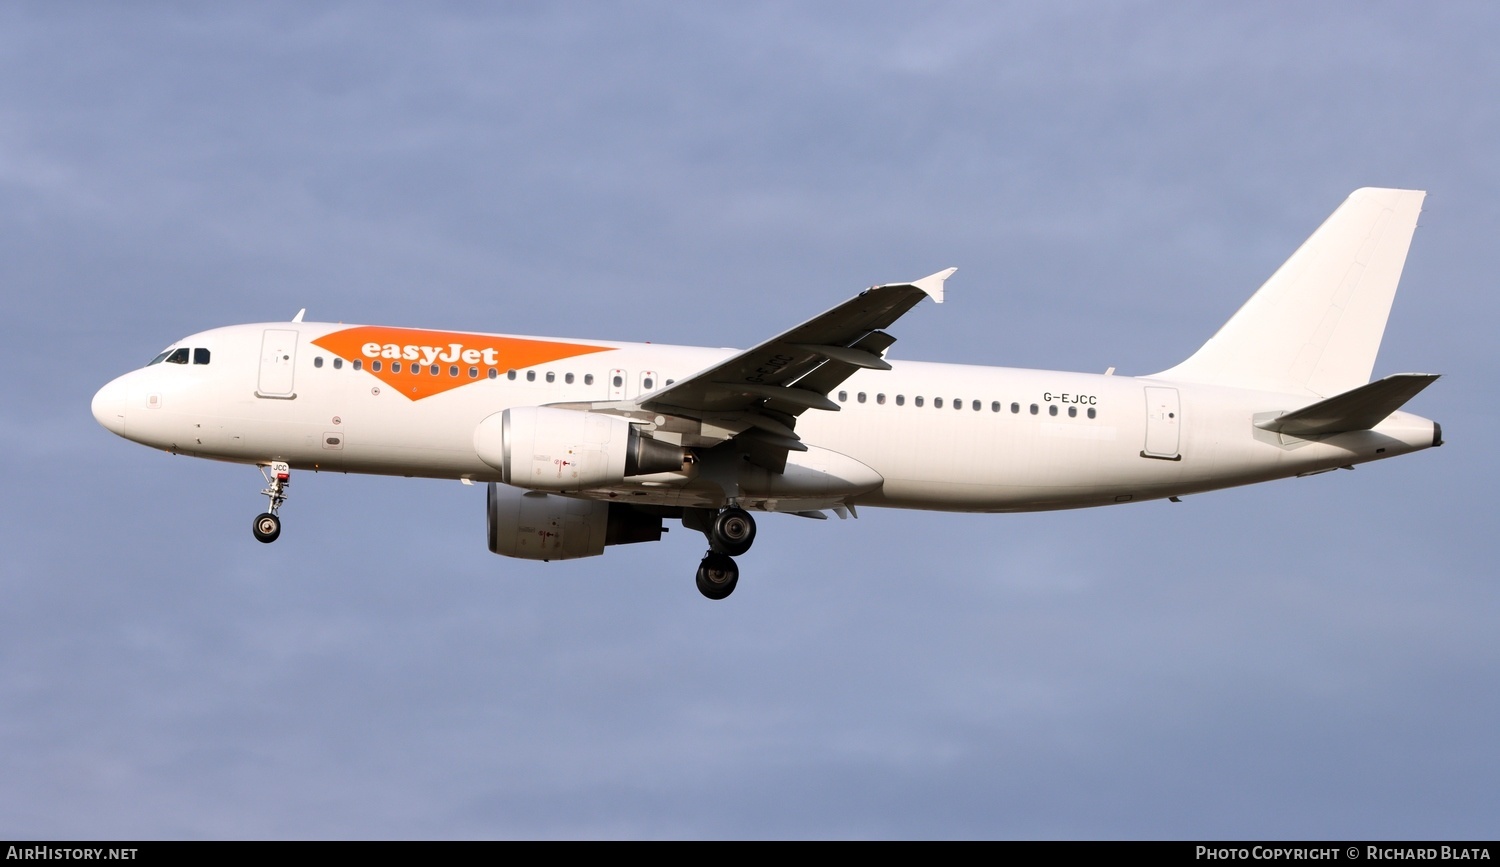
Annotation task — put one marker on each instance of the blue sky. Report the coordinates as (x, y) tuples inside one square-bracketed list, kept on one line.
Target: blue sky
[(1308, 658)]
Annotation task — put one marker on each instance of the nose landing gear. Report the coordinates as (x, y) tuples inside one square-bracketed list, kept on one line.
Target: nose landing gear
[(730, 534), (267, 525)]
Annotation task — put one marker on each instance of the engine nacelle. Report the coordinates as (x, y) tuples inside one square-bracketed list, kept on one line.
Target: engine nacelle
[(537, 526), (548, 449)]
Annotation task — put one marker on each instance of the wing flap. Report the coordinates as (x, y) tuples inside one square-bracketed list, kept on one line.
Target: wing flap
[(798, 397), (848, 355), (828, 376)]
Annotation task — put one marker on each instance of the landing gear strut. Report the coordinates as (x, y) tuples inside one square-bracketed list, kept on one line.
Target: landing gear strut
[(278, 476), (730, 534)]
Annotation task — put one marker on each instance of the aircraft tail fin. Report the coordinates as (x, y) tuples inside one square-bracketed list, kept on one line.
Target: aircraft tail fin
[(1316, 325), (1357, 409)]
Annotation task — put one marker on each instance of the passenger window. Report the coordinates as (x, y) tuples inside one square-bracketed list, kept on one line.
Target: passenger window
[(843, 396), (510, 374), (436, 370), (880, 399), (860, 397), (976, 406), (551, 377), (917, 400), (588, 379), (1034, 409), (1052, 410), (1091, 412), (1072, 412), (494, 374), (958, 403), (648, 383), (357, 364), (568, 379), (318, 361), (670, 381), (178, 357), (375, 366), (900, 400), (453, 371), (937, 403), (619, 381), (473, 373), (338, 364), (395, 366), (1015, 407), (995, 407), (200, 356), (531, 376)]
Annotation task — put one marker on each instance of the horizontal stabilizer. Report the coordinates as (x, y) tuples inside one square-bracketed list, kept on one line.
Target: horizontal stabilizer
[(1358, 409)]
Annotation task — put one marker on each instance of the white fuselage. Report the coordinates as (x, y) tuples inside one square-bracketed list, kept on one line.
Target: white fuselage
[(933, 436)]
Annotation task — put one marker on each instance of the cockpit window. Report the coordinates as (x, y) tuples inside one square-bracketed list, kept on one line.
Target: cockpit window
[(161, 357), (178, 356), (200, 356)]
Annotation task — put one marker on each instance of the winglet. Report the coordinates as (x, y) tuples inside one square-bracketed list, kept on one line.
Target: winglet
[(300, 314), (932, 284)]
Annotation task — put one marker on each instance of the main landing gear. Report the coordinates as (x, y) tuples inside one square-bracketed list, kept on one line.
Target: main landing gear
[(717, 575), (267, 526), (730, 534)]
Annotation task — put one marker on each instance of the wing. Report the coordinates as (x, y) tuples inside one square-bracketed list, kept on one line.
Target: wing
[(755, 397)]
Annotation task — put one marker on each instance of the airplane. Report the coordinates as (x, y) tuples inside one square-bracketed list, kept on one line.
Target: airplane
[(586, 444)]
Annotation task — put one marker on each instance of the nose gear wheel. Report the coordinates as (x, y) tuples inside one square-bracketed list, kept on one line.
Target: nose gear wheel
[(267, 527)]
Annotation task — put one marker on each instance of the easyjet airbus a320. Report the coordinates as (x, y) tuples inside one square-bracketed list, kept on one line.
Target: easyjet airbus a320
[(586, 444)]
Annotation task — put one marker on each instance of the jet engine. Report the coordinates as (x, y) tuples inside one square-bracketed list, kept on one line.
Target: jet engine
[(548, 449), (537, 526)]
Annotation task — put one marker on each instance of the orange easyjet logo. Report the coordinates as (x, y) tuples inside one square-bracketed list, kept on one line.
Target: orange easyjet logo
[(421, 363)]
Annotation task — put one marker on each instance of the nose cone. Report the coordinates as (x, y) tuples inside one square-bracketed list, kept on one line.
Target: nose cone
[(109, 408)]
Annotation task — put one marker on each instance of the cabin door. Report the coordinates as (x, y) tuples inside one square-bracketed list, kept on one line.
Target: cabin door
[(278, 356), (1163, 424)]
